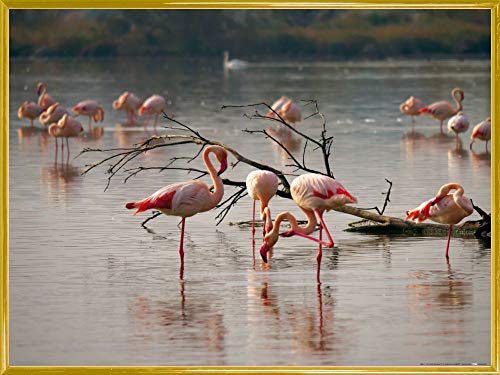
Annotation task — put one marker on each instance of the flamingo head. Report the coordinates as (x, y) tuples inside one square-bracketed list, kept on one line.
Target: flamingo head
[(39, 88), (221, 155), (269, 241)]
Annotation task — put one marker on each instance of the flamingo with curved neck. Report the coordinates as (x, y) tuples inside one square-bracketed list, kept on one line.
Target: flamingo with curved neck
[(444, 208), (185, 199), (261, 186), (44, 99), (314, 194), (443, 110)]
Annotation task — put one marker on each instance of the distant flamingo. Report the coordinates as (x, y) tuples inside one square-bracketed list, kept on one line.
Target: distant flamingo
[(53, 114), (444, 208), (444, 110), (411, 107), (153, 105), (44, 99), (66, 127), (481, 131), (234, 64), (185, 199), (129, 103), (29, 110), (458, 124), (287, 110), (90, 108), (262, 186), (314, 194)]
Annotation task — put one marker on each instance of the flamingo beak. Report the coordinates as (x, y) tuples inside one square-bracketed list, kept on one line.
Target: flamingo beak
[(223, 167), (76, 109), (263, 251)]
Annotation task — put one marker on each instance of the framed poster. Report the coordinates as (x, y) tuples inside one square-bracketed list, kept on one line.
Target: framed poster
[(382, 109)]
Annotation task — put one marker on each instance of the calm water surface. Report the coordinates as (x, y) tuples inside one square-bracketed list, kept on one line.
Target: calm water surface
[(89, 286)]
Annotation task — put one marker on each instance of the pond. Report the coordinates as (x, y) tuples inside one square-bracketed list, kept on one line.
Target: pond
[(90, 286)]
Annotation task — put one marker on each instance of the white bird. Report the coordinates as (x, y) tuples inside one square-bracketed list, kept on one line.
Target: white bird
[(234, 64), (458, 123)]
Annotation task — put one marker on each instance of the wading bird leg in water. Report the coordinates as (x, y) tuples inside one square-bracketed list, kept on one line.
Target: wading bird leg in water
[(448, 243), (55, 158), (67, 149), (320, 253), (181, 249), (253, 222)]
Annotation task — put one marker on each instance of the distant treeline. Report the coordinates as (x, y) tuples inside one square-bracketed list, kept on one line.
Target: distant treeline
[(340, 34)]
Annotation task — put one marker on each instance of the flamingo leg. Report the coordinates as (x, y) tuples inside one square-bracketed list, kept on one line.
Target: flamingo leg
[(181, 248), (253, 221), (90, 124), (441, 127), (486, 147), (62, 151), (55, 158), (31, 123), (67, 150), (448, 243), (320, 254), (323, 225), (412, 123)]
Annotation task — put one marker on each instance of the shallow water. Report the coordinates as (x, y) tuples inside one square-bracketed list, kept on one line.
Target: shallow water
[(89, 286)]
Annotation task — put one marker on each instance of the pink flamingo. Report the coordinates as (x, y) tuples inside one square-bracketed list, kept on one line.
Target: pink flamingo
[(262, 186), (314, 194), (287, 110), (67, 127), (444, 110), (153, 105), (53, 114), (411, 107), (129, 103), (458, 124), (444, 208), (90, 108), (29, 110), (481, 131), (185, 199), (44, 99)]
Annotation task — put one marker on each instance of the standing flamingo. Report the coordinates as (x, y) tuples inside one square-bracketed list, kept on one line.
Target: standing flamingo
[(481, 131), (458, 124), (53, 114), (444, 208), (444, 110), (129, 103), (90, 108), (44, 99), (186, 199), (314, 194), (153, 105), (262, 186), (411, 107), (66, 127), (29, 110), (287, 110)]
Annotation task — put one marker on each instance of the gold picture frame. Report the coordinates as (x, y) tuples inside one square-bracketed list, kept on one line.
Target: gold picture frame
[(7, 5)]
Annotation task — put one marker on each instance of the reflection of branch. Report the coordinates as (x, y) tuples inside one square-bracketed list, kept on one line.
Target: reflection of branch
[(387, 200)]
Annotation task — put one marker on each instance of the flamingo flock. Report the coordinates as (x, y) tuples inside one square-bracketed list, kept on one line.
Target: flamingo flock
[(313, 193), (458, 122)]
